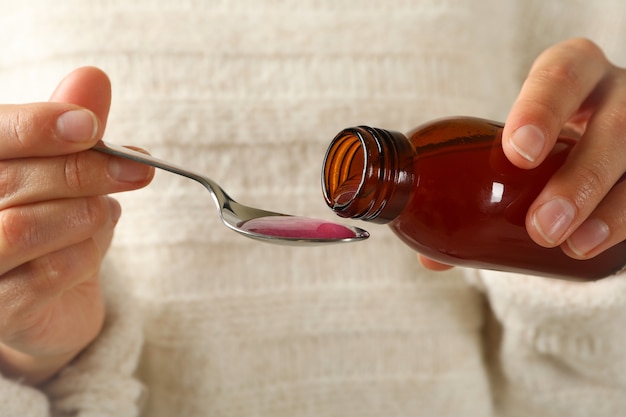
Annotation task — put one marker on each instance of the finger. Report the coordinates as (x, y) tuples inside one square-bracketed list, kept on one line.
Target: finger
[(86, 87), (73, 122), (30, 232), (605, 228), (559, 85), (433, 265), (26, 181), (44, 129), (586, 181), (103, 237)]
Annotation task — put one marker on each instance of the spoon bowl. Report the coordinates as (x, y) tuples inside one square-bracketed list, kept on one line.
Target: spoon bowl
[(251, 222)]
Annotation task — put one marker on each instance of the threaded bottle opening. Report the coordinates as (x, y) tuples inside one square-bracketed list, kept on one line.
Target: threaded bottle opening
[(361, 178), (344, 170)]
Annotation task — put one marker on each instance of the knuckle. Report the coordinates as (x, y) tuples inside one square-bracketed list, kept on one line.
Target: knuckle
[(562, 74), (46, 274), (594, 180), (73, 172), (614, 122), (585, 47), (22, 126), (86, 217), (11, 181), (568, 70), (18, 126), (58, 271), (25, 228), (19, 230), (84, 173), (92, 211)]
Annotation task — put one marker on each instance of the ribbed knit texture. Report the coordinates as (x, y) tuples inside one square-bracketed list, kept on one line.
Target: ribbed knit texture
[(251, 93)]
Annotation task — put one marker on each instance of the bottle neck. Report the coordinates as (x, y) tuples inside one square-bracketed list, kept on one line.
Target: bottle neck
[(368, 174)]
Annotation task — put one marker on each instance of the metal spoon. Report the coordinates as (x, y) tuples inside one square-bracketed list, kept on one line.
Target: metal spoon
[(251, 222)]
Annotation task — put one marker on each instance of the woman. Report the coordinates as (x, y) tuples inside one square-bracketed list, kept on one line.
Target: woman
[(251, 94)]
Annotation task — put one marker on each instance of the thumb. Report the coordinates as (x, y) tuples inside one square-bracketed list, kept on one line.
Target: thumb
[(88, 87)]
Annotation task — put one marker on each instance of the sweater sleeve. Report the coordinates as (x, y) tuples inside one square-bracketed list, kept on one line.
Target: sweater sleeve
[(21, 400), (556, 346), (100, 381)]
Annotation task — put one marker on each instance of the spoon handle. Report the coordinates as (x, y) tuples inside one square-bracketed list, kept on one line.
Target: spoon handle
[(117, 150), (220, 196)]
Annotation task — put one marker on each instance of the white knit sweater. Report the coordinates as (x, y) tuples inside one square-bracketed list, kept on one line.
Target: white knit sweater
[(251, 92)]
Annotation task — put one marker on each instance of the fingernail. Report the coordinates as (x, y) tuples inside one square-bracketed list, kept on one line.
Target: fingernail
[(528, 141), (128, 171), (77, 126), (588, 236), (553, 219)]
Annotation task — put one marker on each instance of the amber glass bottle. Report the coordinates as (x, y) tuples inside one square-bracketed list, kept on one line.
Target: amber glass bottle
[(449, 192)]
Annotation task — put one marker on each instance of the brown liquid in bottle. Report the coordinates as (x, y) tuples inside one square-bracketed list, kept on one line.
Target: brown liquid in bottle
[(450, 193)]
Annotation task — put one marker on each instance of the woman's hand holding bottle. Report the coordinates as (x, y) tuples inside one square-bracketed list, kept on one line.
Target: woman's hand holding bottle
[(572, 87)]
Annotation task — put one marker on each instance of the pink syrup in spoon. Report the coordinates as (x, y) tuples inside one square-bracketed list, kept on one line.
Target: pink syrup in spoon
[(295, 227)]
